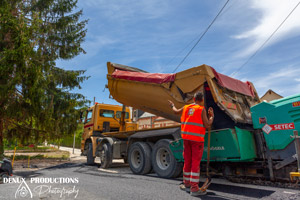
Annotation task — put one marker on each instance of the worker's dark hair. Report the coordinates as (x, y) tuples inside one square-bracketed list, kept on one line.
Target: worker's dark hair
[(198, 96)]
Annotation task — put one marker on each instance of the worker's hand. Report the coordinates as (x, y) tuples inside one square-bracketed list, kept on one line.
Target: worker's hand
[(171, 104), (211, 112)]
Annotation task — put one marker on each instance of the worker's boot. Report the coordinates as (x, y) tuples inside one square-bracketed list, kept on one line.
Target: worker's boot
[(185, 187), (197, 192)]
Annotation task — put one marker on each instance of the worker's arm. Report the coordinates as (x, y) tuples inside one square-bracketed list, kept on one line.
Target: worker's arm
[(208, 121), (176, 111)]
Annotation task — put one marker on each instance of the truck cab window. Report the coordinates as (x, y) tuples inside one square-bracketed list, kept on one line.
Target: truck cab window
[(89, 116), (107, 113), (118, 115)]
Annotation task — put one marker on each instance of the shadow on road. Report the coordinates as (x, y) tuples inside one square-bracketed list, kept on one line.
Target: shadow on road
[(240, 190), (243, 192), (119, 170), (118, 165), (35, 173), (72, 165), (28, 174), (64, 165)]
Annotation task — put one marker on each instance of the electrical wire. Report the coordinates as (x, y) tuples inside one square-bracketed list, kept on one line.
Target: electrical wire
[(201, 36), (265, 41), (181, 51), (170, 61)]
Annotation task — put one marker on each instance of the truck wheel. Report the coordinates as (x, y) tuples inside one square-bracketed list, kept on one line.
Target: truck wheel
[(151, 144), (90, 159), (163, 160), (139, 158), (105, 156)]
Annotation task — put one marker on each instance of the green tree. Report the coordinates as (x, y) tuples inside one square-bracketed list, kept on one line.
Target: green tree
[(36, 101)]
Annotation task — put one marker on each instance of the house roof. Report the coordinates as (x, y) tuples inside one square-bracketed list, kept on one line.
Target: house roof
[(270, 92), (146, 114)]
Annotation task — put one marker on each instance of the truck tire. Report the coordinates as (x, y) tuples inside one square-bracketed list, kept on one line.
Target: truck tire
[(163, 160), (105, 156), (90, 159), (139, 158), (151, 144)]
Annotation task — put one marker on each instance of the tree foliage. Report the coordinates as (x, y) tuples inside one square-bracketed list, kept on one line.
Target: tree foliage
[(36, 101)]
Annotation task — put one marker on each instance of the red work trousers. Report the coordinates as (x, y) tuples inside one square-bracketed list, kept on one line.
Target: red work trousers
[(192, 155)]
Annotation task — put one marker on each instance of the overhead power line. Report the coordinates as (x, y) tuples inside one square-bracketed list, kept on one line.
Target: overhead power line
[(181, 51), (192, 41), (201, 37), (265, 41)]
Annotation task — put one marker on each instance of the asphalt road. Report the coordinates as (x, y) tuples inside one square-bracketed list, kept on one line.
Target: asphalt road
[(118, 183)]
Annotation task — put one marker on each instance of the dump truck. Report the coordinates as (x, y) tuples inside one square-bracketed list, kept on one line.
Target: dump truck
[(249, 138), (107, 129), (231, 100), (103, 124)]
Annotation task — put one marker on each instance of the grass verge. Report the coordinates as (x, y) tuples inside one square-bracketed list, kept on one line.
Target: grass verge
[(58, 154)]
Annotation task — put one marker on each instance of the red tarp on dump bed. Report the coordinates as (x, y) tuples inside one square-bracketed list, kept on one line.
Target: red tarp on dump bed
[(223, 80), (234, 84), (144, 77)]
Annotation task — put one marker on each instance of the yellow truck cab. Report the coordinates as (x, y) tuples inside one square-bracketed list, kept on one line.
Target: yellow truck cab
[(100, 122)]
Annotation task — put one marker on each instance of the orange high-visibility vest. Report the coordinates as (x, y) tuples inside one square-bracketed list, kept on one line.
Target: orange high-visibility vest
[(192, 127)]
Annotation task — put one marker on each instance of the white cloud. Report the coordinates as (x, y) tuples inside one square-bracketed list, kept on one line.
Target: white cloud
[(283, 81), (295, 89), (96, 42), (272, 12)]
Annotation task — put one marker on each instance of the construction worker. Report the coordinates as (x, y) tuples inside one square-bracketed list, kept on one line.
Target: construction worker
[(194, 120)]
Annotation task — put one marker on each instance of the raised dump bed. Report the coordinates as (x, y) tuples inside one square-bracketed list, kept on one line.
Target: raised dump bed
[(230, 98)]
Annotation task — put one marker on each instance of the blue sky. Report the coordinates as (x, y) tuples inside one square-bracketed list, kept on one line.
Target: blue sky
[(148, 34)]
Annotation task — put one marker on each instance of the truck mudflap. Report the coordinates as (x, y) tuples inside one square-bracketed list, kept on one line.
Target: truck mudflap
[(235, 145)]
